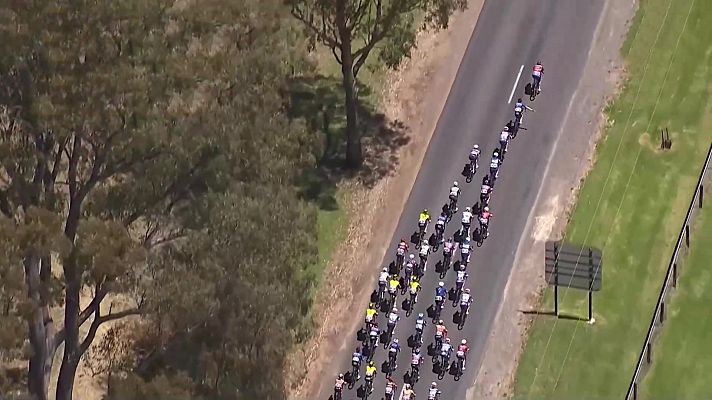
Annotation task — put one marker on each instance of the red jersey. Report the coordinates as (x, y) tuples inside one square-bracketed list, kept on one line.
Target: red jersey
[(463, 347), (538, 68), (403, 245)]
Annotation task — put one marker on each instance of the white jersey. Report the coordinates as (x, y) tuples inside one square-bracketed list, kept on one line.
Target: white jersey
[(461, 276), (454, 191), (465, 299), (432, 393), (355, 359), (383, 278), (419, 324), (464, 248), (389, 389), (504, 136), (415, 360), (466, 217), (445, 349), (424, 249), (485, 189), (392, 318)]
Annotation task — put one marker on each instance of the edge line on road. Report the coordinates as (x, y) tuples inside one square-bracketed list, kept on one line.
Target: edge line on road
[(516, 81)]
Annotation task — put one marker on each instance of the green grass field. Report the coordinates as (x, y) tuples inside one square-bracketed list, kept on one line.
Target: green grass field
[(682, 355), (631, 206)]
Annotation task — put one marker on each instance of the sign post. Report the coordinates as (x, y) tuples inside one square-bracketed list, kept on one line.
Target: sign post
[(573, 267)]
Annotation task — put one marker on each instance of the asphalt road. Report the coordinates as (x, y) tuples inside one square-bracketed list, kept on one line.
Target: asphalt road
[(509, 34)]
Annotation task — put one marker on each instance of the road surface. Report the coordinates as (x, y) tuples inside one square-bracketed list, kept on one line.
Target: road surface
[(509, 34)]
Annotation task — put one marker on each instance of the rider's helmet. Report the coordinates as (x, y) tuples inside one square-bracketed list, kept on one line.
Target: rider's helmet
[(467, 239), (475, 147), (341, 376), (454, 184), (538, 63), (468, 209), (395, 309), (433, 385), (441, 284), (440, 322), (467, 290), (464, 341), (506, 128), (519, 100), (371, 364), (395, 341), (371, 305), (447, 340), (406, 386), (420, 315), (486, 208), (425, 211), (412, 257), (384, 269)]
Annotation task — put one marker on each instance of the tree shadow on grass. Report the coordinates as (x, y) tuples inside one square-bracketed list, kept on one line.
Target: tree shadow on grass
[(319, 101)]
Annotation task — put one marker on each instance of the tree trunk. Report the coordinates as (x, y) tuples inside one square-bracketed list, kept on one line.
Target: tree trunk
[(354, 156), (41, 332), (70, 359)]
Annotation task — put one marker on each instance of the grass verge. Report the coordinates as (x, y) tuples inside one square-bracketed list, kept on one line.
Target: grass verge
[(630, 206), (683, 357)]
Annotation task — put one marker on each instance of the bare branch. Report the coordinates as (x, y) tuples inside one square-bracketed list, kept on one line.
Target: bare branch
[(308, 22)]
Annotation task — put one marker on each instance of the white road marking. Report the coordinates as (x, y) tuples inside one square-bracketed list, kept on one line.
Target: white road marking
[(519, 75)]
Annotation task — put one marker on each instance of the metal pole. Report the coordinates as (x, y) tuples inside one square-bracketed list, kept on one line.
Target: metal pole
[(556, 300), (662, 312), (648, 356), (674, 275), (635, 391), (590, 306), (687, 235), (556, 279), (590, 285), (702, 193)]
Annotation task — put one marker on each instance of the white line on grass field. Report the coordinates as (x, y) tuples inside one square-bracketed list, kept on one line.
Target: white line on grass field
[(519, 75)]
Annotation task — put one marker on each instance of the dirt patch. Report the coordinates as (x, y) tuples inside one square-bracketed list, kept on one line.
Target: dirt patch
[(374, 212), (552, 209)]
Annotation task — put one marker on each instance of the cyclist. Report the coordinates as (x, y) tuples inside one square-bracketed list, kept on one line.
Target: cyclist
[(433, 392), (475, 155), (393, 319), (466, 219), (390, 388), (414, 289), (356, 359), (485, 190), (495, 162), (519, 108), (440, 293), (371, 314), (339, 384), (393, 284), (440, 224), (504, 139), (465, 250), (454, 194), (383, 280), (440, 333), (370, 373), (465, 301), (416, 359), (423, 219), (537, 72), (462, 351), (401, 250), (446, 211), (420, 325), (460, 279), (393, 351), (448, 247), (446, 350), (374, 334), (424, 251), (408, 393), (484, 220)]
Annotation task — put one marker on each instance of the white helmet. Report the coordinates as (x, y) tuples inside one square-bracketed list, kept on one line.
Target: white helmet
[(454, 183), (467, 290), (396, 341), (433, 385), (447, 340), (395, 309), (412, 256), (464, 341), (468, 209), (384, 269), (486, 208), (476, 146), (441, 284), (420, 315)]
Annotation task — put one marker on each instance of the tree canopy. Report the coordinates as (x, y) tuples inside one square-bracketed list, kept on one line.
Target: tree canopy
[(148, 169)]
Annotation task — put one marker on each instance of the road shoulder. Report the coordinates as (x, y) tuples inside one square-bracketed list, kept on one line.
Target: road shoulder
[(568, 165)]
